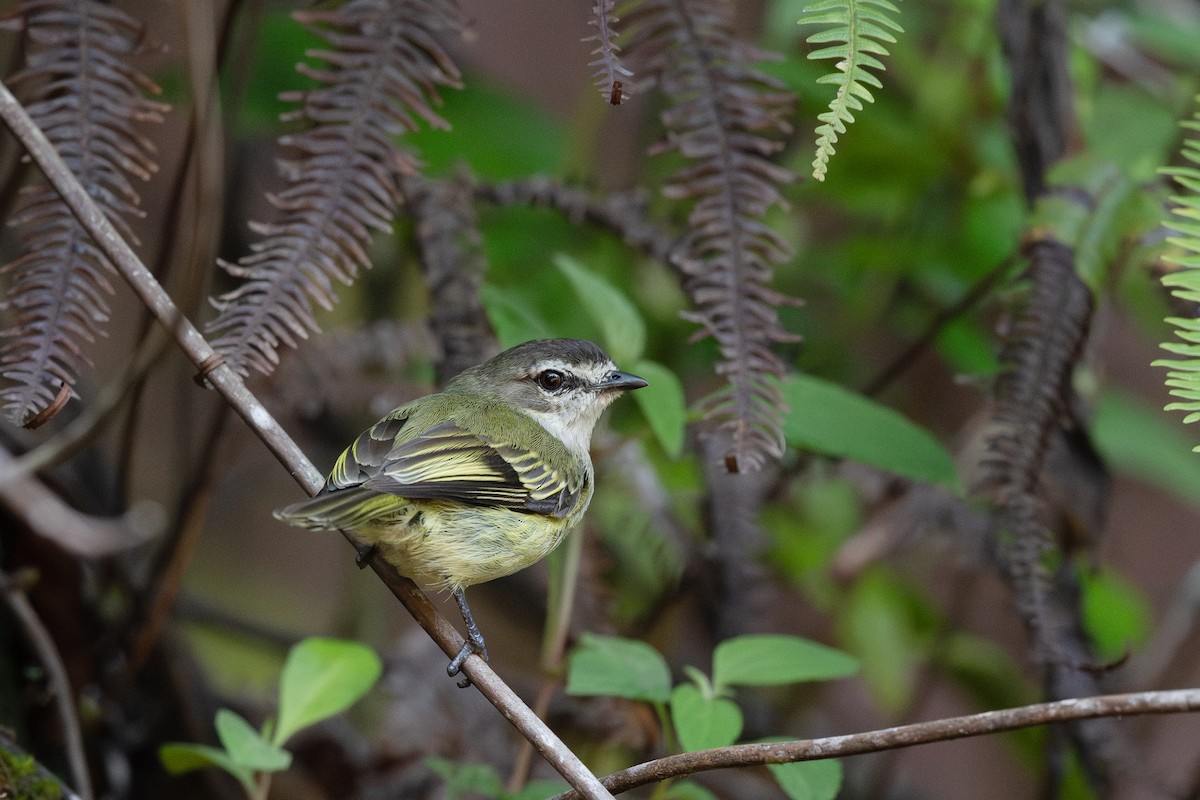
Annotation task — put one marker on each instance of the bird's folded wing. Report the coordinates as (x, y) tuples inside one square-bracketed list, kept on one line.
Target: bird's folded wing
[(447, 462)]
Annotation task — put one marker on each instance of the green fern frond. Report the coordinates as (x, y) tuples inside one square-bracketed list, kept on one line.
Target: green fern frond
[(860, 29), (1183, 379)]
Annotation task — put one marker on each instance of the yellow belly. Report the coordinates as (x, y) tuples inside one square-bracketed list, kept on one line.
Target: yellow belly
[(449, 546)]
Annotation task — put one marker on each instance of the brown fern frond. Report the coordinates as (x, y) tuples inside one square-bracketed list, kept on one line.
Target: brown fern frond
[(722, 116), (623, 213), (343, 183), (87, 99), (451, 251), (611, 76), (1032, 399)]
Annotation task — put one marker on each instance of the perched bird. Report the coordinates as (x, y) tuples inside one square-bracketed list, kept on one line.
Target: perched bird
[(479, 480)]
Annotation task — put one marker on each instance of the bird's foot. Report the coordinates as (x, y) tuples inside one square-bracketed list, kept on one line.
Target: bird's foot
[(365, 554), (474, 644)]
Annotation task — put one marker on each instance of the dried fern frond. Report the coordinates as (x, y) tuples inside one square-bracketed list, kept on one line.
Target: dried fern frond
[(722, 115), (860, 29), (383, 74), (611, 76), (1184, 375), (87, 99), (1032, 397)]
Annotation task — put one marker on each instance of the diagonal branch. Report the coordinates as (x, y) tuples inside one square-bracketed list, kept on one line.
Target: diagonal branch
[(227, 382)]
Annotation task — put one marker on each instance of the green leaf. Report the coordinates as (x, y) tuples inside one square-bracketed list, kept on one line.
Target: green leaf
[(826, 418), (688, 790), (809, 780), (181, 757), (1116, 615), (1140, 441), (611, 665), (538, 790), (322, 677), (662, 404), (703, 722), (247, 747), (883, 624), (776, 659), (466, 778), (620, 324), (513, 320)]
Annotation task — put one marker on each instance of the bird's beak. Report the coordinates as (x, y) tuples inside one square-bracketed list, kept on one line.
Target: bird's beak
[(621, 382)]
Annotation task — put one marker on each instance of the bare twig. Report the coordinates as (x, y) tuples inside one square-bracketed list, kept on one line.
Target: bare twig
[(226, 381), (988, 722), (64, 698), (49, 516)]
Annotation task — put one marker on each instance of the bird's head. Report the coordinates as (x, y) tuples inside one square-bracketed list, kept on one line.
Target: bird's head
[(564, 384)]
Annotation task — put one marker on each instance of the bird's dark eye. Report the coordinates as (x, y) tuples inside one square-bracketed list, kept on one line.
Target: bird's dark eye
[(550, 379)]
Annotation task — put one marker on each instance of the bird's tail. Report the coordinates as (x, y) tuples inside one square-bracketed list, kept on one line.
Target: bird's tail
[(345, 509)]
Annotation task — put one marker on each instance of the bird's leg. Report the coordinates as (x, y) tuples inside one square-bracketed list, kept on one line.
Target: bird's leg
[(473, 644), (365, 553)]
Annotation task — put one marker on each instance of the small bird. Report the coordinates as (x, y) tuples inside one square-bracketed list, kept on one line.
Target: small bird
[(479, 480)]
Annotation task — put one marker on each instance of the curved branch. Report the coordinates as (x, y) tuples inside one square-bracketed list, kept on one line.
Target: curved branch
[(988, 722), (227, 382), (64, 697)]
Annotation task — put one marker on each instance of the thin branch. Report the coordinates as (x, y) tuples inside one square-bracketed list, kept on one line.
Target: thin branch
[(941, 730), (64, 698), (226, 381), (49, 516)]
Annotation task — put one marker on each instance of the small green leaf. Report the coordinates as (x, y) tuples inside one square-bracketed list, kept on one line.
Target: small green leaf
[(611, 665), (826, 418), (662, 404), (466, 778), (1140, 441), (513, 320), (703, 722), (620, 323), (538, 790), (775, 659), (246, 747), (322, 677), (1115, 614), (809, 780), (688, 790), (181, 757)]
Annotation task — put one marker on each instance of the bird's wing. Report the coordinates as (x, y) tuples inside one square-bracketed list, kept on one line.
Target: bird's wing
[(448, 462)]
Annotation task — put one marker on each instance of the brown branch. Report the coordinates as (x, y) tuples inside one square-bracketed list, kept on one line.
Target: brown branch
[(49, 516), (13, 589), (227, 382), (989, 722)]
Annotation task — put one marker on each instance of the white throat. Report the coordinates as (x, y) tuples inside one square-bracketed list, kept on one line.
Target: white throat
[(572, 425)]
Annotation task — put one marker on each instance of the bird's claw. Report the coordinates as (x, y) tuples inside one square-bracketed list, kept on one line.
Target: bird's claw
[(365, 554), (472, 646)]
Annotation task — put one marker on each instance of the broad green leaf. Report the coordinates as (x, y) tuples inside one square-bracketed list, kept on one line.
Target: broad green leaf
[(611, 665), (662, 404), (247, 747), (826, 418), (513, 320), (322, 677), (776, 659), (620, 323), (809, 780), (703, 722), (479, 779), (1115, 614), (181, 757)]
